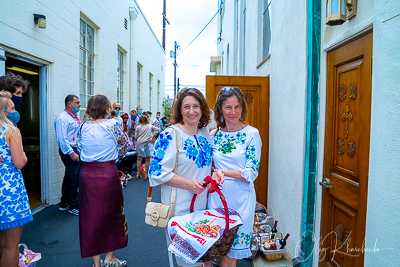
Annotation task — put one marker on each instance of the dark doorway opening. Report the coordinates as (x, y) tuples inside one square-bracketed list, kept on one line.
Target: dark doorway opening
[(29, 126)]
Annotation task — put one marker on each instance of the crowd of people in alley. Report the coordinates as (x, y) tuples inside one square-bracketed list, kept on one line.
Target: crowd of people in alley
[(176, 151)]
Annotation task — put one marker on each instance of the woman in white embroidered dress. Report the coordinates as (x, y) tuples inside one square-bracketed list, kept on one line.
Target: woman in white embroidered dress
[(190, 117), (236, 156)]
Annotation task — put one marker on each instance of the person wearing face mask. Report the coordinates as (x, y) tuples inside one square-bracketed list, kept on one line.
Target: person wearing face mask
[(139, 111), (156, 120), (66, 125), (15, 85), (15, 210), (132, 120), (117, 107)]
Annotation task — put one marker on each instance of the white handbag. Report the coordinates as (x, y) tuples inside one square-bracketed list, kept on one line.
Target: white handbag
[(158, 214)]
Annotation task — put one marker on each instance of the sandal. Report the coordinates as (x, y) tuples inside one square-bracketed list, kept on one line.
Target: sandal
[(137, 175), (120, 263)]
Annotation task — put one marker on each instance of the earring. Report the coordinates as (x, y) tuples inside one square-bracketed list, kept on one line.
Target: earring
[(222, 118)]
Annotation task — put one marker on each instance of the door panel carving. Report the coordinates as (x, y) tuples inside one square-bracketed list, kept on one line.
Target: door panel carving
[(347, 131)]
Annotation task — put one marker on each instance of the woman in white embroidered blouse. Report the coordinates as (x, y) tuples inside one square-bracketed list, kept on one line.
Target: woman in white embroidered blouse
[(102, 223), (236, 155), (190, 117)]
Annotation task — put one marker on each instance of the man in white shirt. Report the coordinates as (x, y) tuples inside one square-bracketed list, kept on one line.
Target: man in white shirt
[(117, 108), (156, 121), (67, 124)]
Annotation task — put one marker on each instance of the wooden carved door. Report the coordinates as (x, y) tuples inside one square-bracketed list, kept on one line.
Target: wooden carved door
[(256, 92), (346, 158)]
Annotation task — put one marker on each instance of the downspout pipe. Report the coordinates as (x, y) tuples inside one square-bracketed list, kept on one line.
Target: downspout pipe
[(311, 155)]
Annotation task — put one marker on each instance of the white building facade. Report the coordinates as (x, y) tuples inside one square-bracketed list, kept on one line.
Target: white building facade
[(275, 39), (86, 48)]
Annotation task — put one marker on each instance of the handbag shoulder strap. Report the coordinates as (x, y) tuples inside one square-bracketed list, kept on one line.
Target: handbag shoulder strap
[(173, 191)]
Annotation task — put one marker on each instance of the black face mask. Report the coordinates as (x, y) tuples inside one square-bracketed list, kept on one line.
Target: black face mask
[(17, 100)]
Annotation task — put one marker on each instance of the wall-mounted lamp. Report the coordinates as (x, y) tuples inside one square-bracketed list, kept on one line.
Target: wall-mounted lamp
[(338, 11), (335, 12), (40, 20)]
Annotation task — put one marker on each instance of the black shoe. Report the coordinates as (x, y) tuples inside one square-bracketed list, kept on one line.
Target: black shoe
[(74, 211), (63, 207)]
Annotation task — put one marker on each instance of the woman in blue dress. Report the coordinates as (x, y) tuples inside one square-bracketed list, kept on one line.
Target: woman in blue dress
[(15, 211)]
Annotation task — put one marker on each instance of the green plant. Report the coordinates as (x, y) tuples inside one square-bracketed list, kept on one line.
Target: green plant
[(166, 106)]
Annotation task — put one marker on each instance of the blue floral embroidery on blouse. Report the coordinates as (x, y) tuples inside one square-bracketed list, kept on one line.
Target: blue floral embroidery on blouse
[(201, 153), (159, 153), (251, 155)]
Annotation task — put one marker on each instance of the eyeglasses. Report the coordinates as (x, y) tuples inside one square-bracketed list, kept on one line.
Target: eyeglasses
[(229, 88), (117, 108)]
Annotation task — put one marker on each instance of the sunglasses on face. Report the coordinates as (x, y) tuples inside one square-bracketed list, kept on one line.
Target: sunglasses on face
[(117, 108), (229, 88)]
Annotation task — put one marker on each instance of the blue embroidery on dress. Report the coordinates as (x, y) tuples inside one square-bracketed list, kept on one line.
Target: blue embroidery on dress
[(159, 153), (251, 154), (200, 154), (13, 196)]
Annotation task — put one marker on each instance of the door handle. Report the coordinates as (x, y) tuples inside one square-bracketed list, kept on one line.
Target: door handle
[(326, 183)]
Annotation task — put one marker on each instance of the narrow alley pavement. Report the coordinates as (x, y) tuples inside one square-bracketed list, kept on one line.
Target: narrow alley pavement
[(56, 234)]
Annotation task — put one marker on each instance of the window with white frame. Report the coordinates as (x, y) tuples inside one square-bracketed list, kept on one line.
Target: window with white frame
[(120, 79), (266, 26), (86, 63), (139, 82), (150, 88)]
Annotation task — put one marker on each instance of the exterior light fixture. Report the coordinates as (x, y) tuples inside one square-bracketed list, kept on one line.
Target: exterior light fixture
[(40, 20), (351, 6), (335, 12)]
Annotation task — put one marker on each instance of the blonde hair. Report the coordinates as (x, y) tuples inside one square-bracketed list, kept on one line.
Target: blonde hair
[(4, 100)]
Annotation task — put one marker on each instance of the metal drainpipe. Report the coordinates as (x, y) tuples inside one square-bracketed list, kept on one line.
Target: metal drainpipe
[(310, 168)]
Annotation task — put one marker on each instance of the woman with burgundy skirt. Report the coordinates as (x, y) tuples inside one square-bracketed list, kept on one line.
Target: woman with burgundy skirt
[(102, 223)]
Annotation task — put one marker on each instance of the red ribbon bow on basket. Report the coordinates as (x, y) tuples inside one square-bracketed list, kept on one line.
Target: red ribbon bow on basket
[(215, 187)]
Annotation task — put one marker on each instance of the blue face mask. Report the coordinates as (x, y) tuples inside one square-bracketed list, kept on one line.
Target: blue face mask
[(140, 112), (117, 112), (132, 136), (76, 110), (17, 100), (87, 120), (14, 117)]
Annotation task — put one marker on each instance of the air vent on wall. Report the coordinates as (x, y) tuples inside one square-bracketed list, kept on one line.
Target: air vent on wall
[(126, 23)]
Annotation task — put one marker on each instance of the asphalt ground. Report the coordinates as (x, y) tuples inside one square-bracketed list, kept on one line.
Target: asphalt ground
[(55, 234)]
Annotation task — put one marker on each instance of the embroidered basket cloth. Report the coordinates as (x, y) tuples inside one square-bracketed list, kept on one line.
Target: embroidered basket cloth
[(204, 234)]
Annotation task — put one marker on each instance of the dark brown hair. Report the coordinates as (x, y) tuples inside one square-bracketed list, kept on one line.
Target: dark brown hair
[(224, 94), (143, 120), (98, 107), (176, 116), (9, 82)]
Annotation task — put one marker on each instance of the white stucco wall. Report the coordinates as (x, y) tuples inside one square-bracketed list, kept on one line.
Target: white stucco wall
[(383, 186), (149, 53), (58, 47), (286, 67), (383, 214)]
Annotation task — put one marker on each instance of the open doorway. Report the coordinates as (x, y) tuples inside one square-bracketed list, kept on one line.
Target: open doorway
[(29, 126)]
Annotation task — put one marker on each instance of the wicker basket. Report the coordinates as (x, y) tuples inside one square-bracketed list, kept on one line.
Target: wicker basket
[(225, 242), (272, 255)]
